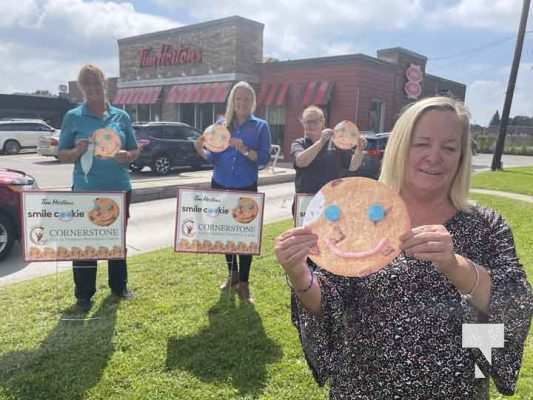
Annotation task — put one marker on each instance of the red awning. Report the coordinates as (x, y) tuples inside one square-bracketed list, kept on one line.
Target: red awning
[(200, 93), (263, 92), (272, 94), (317, 92), (146, 95), (282, 94)]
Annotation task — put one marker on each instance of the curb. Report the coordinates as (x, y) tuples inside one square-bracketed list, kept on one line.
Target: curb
[(140, 195)]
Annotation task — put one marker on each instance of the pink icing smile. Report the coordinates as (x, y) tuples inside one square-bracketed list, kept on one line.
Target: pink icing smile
[(382, 247)]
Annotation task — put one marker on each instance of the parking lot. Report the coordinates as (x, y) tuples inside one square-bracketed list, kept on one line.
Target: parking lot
[(51, 174)]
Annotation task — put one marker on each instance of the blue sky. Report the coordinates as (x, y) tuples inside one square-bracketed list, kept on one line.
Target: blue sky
[(44, 42)]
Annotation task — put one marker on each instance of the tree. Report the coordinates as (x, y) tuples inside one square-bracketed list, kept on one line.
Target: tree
[(495, 121), (522, 120)]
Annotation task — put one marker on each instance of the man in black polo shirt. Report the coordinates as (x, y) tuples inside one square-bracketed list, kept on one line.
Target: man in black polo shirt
[(316, 159)]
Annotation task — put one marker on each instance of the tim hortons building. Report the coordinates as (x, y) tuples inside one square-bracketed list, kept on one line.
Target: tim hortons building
[(185, 74)]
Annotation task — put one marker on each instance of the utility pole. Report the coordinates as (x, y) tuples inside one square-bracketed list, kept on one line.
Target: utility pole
[(497, 158)]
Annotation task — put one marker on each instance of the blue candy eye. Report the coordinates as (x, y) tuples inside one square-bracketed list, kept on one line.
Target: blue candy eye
[(376, 212), (332, 213)]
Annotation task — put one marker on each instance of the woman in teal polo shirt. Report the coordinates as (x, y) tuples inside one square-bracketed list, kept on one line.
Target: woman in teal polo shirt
[(97, 174), (236, 168)]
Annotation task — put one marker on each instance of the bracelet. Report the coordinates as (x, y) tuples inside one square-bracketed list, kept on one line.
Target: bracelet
[(301, 290), (468, 296)]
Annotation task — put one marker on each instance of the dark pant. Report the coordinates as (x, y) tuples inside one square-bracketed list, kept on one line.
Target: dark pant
[(85, 272), (238, 262)]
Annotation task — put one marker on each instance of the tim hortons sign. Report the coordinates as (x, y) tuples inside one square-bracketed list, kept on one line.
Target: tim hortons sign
[(168, 55), (413, 87)]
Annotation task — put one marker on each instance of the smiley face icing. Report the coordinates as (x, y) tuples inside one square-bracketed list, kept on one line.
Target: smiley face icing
[(246, 210), (106, 143), (217, 138), (105, 211), (346, 135), (358, 222)]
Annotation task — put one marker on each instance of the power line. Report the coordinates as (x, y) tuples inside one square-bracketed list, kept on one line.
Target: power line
[(478, 49)]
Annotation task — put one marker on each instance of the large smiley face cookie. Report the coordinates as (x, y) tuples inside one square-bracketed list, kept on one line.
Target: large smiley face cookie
[(346, 135), (105, 211), (358, 222), (246, 210), (217, 138), (106, 143)]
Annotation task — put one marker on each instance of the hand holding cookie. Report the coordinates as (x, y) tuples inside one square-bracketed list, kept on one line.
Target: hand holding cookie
[(122, 157), (326, 135), (293, 247), (81, 146), (238, 144), (430, 243)]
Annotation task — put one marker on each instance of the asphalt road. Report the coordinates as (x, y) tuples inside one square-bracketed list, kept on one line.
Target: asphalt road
[(51, 174)]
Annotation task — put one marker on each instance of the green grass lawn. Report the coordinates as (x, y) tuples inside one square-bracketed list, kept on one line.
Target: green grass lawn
[(517, 180), (179, 339)]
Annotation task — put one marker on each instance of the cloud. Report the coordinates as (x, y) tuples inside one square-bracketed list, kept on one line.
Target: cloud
[(498, 15), (46, 41), (484, 97), (299, 28)]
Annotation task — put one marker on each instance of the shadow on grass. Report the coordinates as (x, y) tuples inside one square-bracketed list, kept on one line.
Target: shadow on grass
[(68, 362), (233, 348)]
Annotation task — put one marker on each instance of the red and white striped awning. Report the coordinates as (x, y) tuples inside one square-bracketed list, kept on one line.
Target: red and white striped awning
[(145, 95), (317, 92), (199, 93), (272, 94)]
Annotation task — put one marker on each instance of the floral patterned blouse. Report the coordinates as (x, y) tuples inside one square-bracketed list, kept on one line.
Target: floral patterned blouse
[(397, 334)]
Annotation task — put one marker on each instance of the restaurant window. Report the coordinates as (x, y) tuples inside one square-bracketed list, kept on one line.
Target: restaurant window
[(186, 114), (155, 112), (376, 115), (275, 116), (143, 112), (220, 111), (131, 109), (205, 115)]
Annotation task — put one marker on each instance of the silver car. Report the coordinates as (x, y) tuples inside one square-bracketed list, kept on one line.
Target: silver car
[(18, 134), (48, 144)]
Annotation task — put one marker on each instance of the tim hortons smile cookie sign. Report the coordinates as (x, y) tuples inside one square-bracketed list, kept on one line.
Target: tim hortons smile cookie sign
[(219, 221), (60, 226)]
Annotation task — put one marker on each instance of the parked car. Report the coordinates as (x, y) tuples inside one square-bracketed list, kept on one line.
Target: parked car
[(165, 146), (48, 144), (12, 183), (371, 165), (17, 134)]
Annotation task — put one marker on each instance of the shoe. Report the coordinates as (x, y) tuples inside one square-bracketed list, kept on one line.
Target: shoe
[(232, 282), (84, 305), (126, 294), (244, 293)]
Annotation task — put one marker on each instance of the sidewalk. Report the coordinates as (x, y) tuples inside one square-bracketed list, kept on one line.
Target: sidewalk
[(154, 189), (509, 195)]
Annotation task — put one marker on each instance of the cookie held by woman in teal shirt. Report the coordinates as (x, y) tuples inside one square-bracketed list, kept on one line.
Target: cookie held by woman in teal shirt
[(103, 173)]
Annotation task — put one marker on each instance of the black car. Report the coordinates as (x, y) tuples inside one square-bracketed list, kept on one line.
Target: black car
[(166, 145), (371, 165)]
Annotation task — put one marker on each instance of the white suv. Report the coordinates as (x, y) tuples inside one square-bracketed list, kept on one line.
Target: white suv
[(17, 134)]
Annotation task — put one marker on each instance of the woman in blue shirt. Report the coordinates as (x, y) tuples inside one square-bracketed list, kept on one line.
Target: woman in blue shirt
[(237, 167), (100, 174)]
